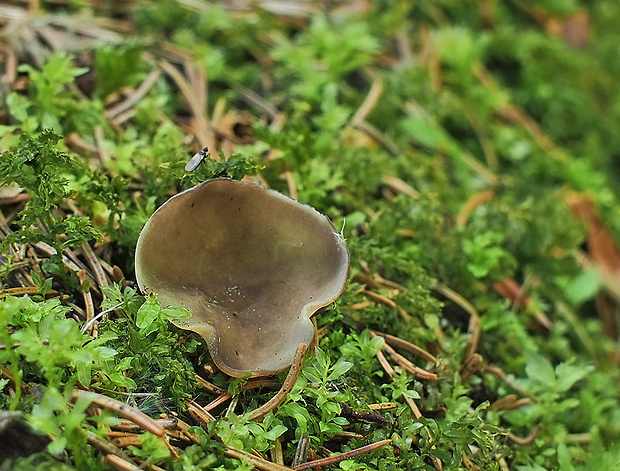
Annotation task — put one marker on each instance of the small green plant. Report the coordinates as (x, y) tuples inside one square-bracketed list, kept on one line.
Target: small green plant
[(314, 402), (447, 135)]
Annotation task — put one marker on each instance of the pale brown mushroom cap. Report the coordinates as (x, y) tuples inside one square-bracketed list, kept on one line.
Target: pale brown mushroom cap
[(250, 264)]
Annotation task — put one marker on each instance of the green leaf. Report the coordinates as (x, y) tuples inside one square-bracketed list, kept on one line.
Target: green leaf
[(568, 375), (103, 353), (539, 369), (339, 369), (564, 458), (123, 381), (585, 286), (425, 131), (147, 315), (410, 393), (275, 432), (84, 373), (171, 313)]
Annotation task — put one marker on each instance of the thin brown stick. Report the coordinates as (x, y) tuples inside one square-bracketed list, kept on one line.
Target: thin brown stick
[(26, 290), (472, 365), (504, 402), (302, 451), (397, 342), (178, 435), (184, 428), (103, 445), (127, 440), (277, 454), (198, 413), (385, 364), (135, 97), (526, 401), (209, 386), (383, 406), (95, 265), (342, 456), (359, 306), (377, 281), (292, 187), (201, 128), (129, 426), (471, 204), (218, 401), (410, 402), (100, 149), (400, 186), (255, 461), (253, 98), (379, 136), (508, 381), (379, 298), (376, 89), (119, 434), (407, 365), (474, 317), (524, 440), (88, 300), (289, 382), (417, 413), (122, 409), (256, 383), (121, 464)]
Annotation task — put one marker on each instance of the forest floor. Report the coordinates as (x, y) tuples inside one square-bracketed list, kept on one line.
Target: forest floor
[(466, 153)]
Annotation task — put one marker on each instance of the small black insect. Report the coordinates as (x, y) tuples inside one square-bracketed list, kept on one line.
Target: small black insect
[(196, 159)]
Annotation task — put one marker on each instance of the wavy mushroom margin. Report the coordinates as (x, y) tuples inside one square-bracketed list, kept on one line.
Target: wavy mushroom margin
[(251, 265)]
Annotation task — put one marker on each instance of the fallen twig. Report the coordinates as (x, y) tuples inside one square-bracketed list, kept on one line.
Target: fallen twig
[(397, 342), (254, 460), (474, 317), (407, 365), (289, 382), (198, 413), (342, 456), (122, 409)]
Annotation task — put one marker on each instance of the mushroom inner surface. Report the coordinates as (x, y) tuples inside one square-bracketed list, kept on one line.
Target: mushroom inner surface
[(250, 264)]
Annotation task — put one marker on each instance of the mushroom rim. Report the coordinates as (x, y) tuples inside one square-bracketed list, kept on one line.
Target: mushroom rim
[(307, 311)]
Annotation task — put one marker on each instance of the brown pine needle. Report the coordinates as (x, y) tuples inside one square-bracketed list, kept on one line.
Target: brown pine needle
[(209, 386), (302, 451), (222, 398), (255, 461), (121, 464), (95, 265), (342, 456), (289, 382), (26, 290), (474, 317), (88, 300), (385, 364), (104, 445), (383, 406), (128, 440), (525, 440), (198, 413), (407, 365), (397, 342), (410, 402), (122, 409), (379, 298)]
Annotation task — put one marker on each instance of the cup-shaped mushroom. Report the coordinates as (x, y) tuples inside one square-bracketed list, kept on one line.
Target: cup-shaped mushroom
[(251, 266)]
